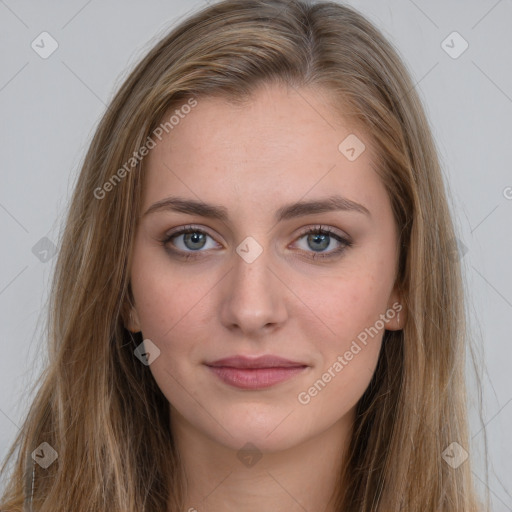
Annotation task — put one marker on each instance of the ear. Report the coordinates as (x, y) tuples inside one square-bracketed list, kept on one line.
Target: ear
[(129, 315), (133, 323), (396, 311)]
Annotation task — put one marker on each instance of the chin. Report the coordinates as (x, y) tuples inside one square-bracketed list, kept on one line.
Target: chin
[(265, 443), (268, 430)]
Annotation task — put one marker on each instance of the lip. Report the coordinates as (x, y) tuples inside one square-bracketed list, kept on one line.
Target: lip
[(255, 372), (266, 361)]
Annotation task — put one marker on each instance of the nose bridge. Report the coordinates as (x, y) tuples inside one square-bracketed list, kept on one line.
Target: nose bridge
[(254, 297)]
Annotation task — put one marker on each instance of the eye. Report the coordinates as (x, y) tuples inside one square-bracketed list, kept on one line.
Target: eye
[(320, 238), (192, 239)]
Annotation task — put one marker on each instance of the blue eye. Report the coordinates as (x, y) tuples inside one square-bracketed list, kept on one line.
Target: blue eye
[(320, 237), (194, 239)]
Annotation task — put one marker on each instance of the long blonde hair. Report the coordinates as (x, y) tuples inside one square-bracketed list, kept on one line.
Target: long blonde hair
[(100, 409)]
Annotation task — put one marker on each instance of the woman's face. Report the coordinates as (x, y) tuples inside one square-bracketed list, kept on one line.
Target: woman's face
[(255, 284)]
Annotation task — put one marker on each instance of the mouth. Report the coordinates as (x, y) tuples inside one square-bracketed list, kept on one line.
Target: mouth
[(255, 373)]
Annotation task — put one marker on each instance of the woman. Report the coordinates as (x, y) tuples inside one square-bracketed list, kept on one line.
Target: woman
[(256, 304)]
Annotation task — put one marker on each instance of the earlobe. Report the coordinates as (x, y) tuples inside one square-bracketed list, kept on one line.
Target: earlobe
[(401, 316), (398, 325), (395, 317), (396, 312), (133, 324), (130, 317)]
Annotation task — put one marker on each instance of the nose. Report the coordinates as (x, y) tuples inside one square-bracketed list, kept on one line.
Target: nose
[(253, 297)]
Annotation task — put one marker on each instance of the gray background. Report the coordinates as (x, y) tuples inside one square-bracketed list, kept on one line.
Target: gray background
[(50, 108)]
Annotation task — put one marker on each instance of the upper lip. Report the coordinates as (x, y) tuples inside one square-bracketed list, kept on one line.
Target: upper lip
[(267, 361)]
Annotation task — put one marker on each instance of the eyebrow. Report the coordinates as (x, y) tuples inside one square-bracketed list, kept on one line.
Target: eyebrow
[(286, 212)]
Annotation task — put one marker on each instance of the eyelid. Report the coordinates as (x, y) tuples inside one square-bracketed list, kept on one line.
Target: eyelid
[(180, 229)]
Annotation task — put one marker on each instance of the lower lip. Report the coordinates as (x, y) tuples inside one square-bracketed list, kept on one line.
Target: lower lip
[(255, 378)]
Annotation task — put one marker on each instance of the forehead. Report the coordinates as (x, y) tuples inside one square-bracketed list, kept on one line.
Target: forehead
[(281, 144)]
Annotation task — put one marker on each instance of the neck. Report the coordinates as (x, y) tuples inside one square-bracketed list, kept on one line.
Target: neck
[(303, 477)]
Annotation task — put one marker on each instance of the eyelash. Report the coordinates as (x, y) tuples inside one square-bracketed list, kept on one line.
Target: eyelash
[(320, 230)]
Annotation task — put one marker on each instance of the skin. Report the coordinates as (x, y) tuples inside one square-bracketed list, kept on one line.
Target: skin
[(280, 148)]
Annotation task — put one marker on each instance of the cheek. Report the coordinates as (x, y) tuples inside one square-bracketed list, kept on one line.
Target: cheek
[(348, 348), (342, 307), (346, 329), (164, 299)]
